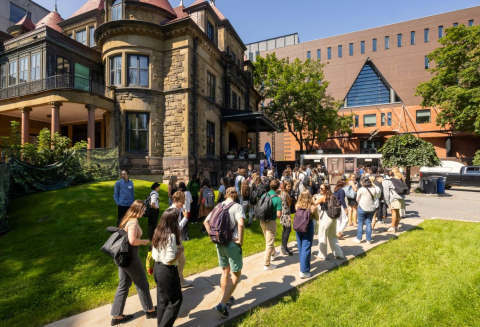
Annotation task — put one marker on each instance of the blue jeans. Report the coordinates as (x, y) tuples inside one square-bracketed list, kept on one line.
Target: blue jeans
[(304, 243), (364, 217)]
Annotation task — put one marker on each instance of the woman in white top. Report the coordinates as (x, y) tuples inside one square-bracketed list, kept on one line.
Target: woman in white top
[(167, 249), (366, 196)]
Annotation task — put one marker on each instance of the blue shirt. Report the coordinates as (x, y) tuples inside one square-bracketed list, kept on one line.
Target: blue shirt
[(123, 193)]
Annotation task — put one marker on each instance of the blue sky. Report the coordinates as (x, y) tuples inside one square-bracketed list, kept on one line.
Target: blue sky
[(257, 20)]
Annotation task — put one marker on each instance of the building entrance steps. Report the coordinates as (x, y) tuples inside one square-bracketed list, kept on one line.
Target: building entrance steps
[(256, 286)]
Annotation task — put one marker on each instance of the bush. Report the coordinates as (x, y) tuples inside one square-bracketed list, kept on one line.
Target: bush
[(476, 160)]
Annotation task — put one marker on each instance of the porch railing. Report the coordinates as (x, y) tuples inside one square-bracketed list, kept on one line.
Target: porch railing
[(55, 83)]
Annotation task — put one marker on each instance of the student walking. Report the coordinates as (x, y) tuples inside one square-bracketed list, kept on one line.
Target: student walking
[(366, 209), (123, 195), (187, 207), (327, 230), (378, 194), (172, 188), (286, 219), (304, 229), (167, 249), (222, 189), (135, 272), (238, 183), (342, 221), (230, 253), (352, 202), (394, 200), (193, 187), (206, 201), (154, 210), (246, 194)]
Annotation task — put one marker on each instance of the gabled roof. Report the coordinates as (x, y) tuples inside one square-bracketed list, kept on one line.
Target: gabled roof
[(179, 13), (90, 5), (27, 23), (197, 3), (51, 20), (164, 4), (219, 14)]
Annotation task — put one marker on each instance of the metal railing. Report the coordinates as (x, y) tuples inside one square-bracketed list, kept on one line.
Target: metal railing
[(54, 83)]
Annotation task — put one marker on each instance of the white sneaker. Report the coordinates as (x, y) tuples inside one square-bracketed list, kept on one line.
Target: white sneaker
[(369, 242), (319, 256), (186, 283), (391, 229), (273, 257), (271, 267), (356, 240), (304, 275)]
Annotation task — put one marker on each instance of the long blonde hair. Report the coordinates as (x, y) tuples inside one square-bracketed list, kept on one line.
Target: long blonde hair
[(398, 175), (305, 200), (134, 212), (173, 180)]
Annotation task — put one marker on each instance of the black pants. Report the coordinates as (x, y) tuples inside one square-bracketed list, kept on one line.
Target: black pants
[(169, 293), (285, 235), (122, 210), (152, 222), (194, 210)]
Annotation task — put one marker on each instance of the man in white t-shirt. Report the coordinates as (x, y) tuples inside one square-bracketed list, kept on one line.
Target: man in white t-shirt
[(230, 255), (238, 183)]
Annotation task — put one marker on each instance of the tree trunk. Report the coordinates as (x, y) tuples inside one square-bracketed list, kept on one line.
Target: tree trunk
[(407, 177)]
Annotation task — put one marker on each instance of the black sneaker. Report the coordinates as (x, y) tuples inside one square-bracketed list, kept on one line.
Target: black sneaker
[(121, 320), (151, 315), (222, 312), (230, 302)]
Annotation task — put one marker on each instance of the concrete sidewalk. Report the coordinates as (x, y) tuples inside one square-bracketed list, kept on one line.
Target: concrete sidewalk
[(256, 286)]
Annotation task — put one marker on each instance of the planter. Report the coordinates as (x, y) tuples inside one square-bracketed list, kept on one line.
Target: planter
[(252, 156), (230, 156)]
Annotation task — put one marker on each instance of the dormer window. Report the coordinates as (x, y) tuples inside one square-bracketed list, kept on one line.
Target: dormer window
[(117, 10), (210, 31)]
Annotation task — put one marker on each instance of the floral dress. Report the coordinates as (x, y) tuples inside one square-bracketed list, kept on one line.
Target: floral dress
[(285, 220)]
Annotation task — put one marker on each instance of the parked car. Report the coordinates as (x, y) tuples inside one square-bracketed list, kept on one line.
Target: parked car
[(457, 174)]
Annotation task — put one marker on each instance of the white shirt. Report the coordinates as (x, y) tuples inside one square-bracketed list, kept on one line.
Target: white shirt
[(154, 198), (365, 200), (181, 222), (167, 254), (238, 181), (188, 201), (235, 213)]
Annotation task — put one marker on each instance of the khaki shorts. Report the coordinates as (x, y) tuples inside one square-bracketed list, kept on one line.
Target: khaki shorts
[(230, 255), (398, 204)]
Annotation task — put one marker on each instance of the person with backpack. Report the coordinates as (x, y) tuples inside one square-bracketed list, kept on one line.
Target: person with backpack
[(342, 221), (394, 191), (305, 213), (303, 180), (330, 211), (267, 210), (382, 206), (351, 193), (286, 219), (366, 196), (167, 250), (154, 210), (315, 181), (187, 207), (207, 200), (123, 195), (193, 187), (378, 191), (238, 183), (246, 194), (172, 188), (255, 191), (135, 272), (225, 225), (222, 190)]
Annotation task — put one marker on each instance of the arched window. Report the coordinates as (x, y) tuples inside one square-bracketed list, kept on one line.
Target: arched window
[(117, 10)]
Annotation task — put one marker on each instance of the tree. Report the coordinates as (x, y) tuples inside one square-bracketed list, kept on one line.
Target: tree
[(476, 160), (407, 151), (455, 88), (12, 145), (299, 102)]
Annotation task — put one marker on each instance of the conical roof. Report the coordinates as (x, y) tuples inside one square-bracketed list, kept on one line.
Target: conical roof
[(164, 4), (27, 23), (51, 20), (90, 5)]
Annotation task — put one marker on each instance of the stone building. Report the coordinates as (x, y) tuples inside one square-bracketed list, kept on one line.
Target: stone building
[(168, 86)]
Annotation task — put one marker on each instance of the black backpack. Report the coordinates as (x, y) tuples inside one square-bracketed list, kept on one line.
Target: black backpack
[(306, 180), (263, 209), (400, 186), (148, 205), (334, 207), (254, 195)]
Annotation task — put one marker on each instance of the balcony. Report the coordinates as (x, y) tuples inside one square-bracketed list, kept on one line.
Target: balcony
[(58, 82)]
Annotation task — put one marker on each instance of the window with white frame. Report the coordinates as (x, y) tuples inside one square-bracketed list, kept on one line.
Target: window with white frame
[(81, 36), (23, 72), (92, 36), (3, 76), (116, 70), (370, 120), (137, 70), (35, 67), (117, 10), (12, 73)]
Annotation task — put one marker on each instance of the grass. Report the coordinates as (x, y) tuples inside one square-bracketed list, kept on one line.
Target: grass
[(51, 266), (427, 277)]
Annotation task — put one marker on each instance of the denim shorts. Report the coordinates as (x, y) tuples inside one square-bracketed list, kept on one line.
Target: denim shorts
[(230, 255)]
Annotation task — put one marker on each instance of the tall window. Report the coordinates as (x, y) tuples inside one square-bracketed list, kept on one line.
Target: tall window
[(412, 37), (340, 51), (137, 133), (389, 118), (116, 70), (117, 10), (319, 54), (23, 76), (427, 63), (234, 100), (92, 36), (35, 66), (423, 116), (309, 55), (440, 32), (210, 138), (210, 31), (81, 36), (370, 120), (470, 22), (455, 24), (137, 70), (357, 118), (383, 119), (350, 49), (362, 47), (329, 53), (63, 66), (3, 76), (426, 34), (210, 86), (374, 45), (12, 73), (387, 42), (399, 40)]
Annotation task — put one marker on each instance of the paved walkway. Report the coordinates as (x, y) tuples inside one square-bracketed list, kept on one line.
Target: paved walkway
[(256, 286)]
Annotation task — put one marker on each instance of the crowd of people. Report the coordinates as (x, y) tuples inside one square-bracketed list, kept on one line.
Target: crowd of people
[(245, 197)]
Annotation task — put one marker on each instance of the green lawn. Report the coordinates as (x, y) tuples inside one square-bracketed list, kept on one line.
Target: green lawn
[(51, 266), (427, 277)]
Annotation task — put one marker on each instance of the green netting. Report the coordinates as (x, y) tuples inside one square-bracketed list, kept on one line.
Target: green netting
[(4, 187), (82, 166)]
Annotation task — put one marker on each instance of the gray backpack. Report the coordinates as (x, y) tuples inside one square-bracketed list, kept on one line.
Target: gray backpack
[(208, 197)]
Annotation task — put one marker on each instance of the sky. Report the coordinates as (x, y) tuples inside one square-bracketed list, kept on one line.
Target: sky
[(256, 20)]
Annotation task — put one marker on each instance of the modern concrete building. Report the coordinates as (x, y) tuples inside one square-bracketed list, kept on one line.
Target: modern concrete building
[(254, 49), (376, 71), (168, 86), (12, 11)]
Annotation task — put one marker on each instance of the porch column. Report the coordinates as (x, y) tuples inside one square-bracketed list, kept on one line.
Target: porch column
[(55, 117), (91, 125), (25, 124), (257, 136)]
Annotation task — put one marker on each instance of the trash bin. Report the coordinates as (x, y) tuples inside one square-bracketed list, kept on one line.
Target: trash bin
[(429, 185), (441, 183)]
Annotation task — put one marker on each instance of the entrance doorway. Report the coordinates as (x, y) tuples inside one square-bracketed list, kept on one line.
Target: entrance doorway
[(232, 141)]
